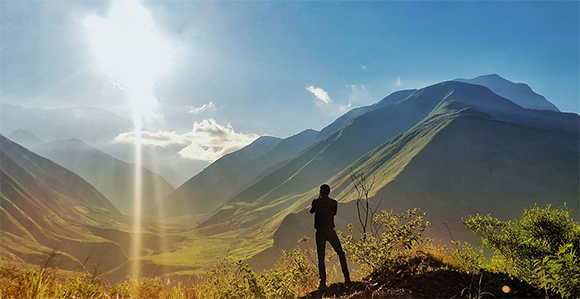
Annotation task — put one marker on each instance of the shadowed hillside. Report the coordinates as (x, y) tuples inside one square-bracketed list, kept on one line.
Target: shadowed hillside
[(25, 138), (235, 174), (347, 118), (112, 177), (457, 164), (368, 131), (186, 200), (43, 206)]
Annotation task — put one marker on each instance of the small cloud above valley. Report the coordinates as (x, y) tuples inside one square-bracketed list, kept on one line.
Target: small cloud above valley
[(207, 141), (205, 107)]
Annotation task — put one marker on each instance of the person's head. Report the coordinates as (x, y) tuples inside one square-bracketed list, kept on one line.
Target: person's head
[(324, 190)]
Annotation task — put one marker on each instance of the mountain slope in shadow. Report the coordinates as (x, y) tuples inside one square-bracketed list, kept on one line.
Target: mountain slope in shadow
[(112, 177), (45, 208), (190, 197), (456, 163)]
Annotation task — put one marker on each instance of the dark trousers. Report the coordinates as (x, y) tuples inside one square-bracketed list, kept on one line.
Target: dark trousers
[(328, 234)]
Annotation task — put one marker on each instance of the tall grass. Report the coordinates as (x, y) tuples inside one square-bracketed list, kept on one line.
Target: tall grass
[(399, 246), (294, 275)]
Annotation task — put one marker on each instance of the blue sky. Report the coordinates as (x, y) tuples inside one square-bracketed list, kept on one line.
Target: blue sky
[(252, 64)]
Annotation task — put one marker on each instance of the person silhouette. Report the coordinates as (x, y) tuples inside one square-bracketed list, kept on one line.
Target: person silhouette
[(324, 209)]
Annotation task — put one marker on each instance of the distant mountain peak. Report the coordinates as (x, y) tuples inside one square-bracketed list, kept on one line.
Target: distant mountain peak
[(68, 144), (519, 93), (25, 138)]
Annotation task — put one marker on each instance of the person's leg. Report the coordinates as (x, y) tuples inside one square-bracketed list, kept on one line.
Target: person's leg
[(320, 249), (335, 242)]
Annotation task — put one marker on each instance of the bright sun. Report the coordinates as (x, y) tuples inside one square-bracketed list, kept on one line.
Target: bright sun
[(128, 44)]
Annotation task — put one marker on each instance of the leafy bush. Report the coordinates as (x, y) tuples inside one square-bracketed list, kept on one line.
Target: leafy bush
[(232, 279), (293, 276), (397, 235), (469, 258), (542, 247)]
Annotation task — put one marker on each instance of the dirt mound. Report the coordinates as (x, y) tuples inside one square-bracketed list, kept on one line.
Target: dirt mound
[(439, 283)]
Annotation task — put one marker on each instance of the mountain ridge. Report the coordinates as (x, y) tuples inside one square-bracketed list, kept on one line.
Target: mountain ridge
[(112, 177), (519, 93)]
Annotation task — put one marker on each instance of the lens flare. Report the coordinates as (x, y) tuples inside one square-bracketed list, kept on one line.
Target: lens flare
[(128, 45)]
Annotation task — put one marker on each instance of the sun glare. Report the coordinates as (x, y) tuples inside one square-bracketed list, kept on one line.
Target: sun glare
[(129, 46)]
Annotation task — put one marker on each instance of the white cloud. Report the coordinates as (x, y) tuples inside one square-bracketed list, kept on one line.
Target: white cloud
[(207, 141), (399, 82), (209, 106), (320, 94), (363, 67)]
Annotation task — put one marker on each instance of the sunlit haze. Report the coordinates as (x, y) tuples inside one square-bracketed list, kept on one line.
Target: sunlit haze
[(129, 45)]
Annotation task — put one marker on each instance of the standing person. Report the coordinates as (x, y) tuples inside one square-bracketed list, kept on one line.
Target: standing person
[(324, 209)]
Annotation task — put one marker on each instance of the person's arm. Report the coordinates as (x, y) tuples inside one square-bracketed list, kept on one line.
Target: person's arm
[(312, 209), (335, 207)]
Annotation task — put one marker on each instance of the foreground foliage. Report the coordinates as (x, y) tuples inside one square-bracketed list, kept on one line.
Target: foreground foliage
[(295, 274), (543, 248), (396, 260), (397, 236)]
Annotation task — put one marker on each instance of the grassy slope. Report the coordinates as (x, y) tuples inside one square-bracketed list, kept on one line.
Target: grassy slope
[(185, 200), (328, 157), (455, 160), (45, 207), (462, 162), (112, 177)]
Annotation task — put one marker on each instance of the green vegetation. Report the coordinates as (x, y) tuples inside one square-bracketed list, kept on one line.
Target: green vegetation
[(396, 236), (294, 275), (541, 248)]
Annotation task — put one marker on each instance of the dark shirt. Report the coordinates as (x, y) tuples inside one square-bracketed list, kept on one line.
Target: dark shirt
[(324, 210)]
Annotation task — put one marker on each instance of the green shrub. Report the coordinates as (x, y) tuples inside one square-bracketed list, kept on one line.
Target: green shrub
[(469, 258), (293, 276), (397, 235), (232, 279), (541, 248)]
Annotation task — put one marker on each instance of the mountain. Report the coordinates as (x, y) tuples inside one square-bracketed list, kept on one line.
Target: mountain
[(519, 93), (323, 160), (204, 192), (455, 163), (347, 118), (94, 125), (165, 161), (112, 177), (453, 149), (25, 138), (236, 174), (44, 208)]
